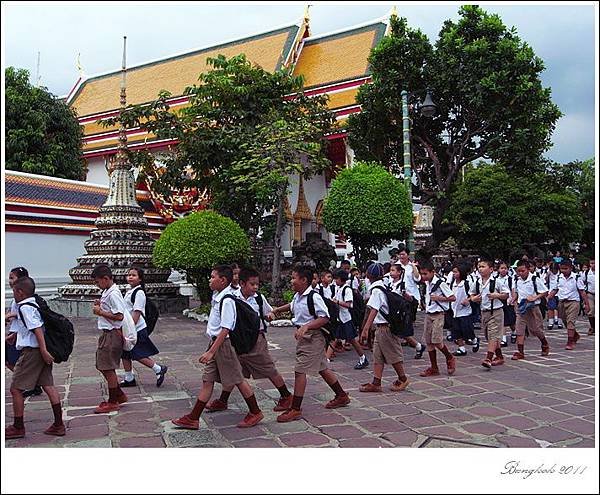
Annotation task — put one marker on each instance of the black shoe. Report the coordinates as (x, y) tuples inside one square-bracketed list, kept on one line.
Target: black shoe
[(459, 352), (449, 337), (126, 383), (559, 325), (362, 364), (419, 354), (550, 326), (37, 390), (475, 345), (513, 338), (503, 343), (160, 377)]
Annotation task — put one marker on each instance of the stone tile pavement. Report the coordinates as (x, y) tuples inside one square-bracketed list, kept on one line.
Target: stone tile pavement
[(539, 402)]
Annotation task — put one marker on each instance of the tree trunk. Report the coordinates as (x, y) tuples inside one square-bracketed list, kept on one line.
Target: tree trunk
[(439, 230), (279, 226)]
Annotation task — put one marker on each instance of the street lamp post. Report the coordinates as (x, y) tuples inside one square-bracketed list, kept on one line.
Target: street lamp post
[(428, 109)]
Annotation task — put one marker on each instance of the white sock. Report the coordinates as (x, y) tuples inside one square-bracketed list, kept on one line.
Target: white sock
[(419, 346), (129, 376), (156, 368), (462, 348)]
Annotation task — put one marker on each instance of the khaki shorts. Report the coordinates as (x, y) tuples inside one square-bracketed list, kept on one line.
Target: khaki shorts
[(32, 370), (434, 328), (225, 368), (493, 324), (387, 348), (591, 300), (533, 320), (310, 353), (258, 363), (110, 350), (568, 312)]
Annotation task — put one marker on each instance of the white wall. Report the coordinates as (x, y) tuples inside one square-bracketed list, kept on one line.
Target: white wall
[(97, 171)]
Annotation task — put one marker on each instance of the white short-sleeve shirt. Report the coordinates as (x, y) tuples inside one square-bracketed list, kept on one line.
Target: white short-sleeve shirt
[(590, 288), (412, 285), (378, 301), (252, 301), (344, 294), (25, 326), (328, 292), (567, 288), (484, 291), (139, 304), (525, 288), (458, 309), (112, 302), (225, 319), (442, 290), (14, 308), (299, 307)]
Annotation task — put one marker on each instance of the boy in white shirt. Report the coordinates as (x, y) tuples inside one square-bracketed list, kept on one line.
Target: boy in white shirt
[(588, 279), (220, 358), (34, 366)]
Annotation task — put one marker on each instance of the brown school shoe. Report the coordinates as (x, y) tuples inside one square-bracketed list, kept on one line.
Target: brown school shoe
[(186, 422), (430, 372), (284, 404), (10, 432), (216, 405), (486, 363), (370, 387), (122, 398), (251, 420), (591, 331), (576, 337), (58, 431), (497, 361), (338, 401), (518, 355), (106, 407), (451, 363), (290, 415), (545, 350), (399, 386), (570, 345)]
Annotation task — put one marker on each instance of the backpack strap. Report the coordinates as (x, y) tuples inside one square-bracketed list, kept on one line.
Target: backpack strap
[(534, 280), (435, 287), (226, 296), (135, 293), (310, 302), (21, 314), (585, 276), (261, 313), (492, 289)]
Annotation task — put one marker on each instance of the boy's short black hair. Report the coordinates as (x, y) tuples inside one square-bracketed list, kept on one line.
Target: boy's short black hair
[(386, 267), (401, 248), (488, 262), (323, 272), (224, 271), (305, 271), (524, 263), (346, 262), (566, 262), (247, 273), (341, 274), (101, 271), (25, 284), (426, 265), (20, 271)]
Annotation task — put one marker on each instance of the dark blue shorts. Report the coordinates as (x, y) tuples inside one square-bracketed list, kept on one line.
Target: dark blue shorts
[(143, 348), (553, 303), (12, 355), (346, 331), (462, 328), (510, 318)]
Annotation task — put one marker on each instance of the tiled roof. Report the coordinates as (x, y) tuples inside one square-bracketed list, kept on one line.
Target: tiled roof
[(174, 74), (338, 57)]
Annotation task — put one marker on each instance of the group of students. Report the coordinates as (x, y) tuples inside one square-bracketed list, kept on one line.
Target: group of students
[(498, 294)]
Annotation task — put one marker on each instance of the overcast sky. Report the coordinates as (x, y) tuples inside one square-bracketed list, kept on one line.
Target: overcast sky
[(562, 35)]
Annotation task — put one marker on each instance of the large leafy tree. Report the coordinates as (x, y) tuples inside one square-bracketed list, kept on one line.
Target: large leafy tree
[(42, 132), (491, 104), (368, 205), (494, 213)]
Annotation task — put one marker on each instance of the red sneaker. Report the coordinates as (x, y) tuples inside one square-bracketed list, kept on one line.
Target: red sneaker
[(370, 387), (186, 422), (216, 405), (58, 431), (284, 403), (10, 432), (497, 361), (451, 363), (518, 355), (289, 415), (250, 420), (106, 407), (545, 350), (430, 372), (486, 363), (338, 401)]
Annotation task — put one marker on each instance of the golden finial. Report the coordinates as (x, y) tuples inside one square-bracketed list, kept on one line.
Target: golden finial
[(394, 12), (78, 64), (306, 12)]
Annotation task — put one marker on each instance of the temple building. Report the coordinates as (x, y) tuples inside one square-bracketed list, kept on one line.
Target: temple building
[(56, 215)]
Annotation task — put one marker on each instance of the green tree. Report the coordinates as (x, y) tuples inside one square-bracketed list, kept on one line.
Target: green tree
[(495, 213), (197, 242), (368, 205), (491, 104), (42, 133)]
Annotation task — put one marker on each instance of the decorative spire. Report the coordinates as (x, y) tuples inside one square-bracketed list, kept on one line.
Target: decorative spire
[(121, 161), (307, 13), (394, 12)]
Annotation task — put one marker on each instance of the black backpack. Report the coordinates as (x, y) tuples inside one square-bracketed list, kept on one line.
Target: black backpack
[(492, 289), (322, 291), (261, 311), (358, 309), (244, 334), (400, 312), (334, 315), (59, 332), (151, 312)]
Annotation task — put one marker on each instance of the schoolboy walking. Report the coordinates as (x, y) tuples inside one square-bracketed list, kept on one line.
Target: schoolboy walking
[(258, 363), (490, 295), (527, 293), (220, 358), (34, 367), (387, 347), (438, 297), (510, 317), (551, 281), (462, 322), (589, 294), (310, 314)]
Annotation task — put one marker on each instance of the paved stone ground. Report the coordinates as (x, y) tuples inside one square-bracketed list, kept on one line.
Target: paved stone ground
[(540, 402)]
